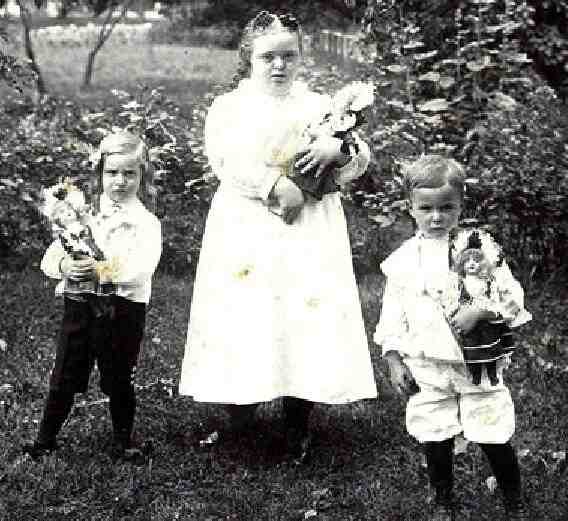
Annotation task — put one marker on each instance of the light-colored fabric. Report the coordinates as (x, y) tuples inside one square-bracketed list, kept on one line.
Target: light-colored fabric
[(127, 232), (449, 403), (419, 287), (275, 309)]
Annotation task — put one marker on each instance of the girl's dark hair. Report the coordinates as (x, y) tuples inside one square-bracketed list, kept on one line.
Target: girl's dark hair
[(261, 24), (434, 171)]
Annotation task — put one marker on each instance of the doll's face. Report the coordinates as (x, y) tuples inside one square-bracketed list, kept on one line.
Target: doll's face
[(64, 213), (275, 60), (121, 176), (472, 266), (435, 210)]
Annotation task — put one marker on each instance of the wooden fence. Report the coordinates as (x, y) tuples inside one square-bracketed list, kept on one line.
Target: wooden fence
[(335, 45)]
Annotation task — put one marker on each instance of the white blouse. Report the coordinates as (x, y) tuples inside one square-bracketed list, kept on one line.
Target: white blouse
[(240, 160), (128, 233), (419, 287)]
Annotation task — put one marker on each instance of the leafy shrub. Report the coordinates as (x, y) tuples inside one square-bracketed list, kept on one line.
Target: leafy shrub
[(40, 144), (473, 98), (521, 160)]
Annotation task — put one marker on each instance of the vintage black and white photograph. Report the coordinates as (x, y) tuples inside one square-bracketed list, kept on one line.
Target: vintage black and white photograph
[(286, 260)]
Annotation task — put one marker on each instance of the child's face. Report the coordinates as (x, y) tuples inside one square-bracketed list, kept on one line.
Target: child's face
[(435, 210), (121, 176), (275, 60)]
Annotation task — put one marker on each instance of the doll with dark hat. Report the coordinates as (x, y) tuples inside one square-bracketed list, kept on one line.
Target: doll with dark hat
[(491, 339)]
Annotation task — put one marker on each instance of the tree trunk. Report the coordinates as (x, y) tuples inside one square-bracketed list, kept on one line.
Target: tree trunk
[(88, 76), (104, 34), (63, 10), (25, 17)]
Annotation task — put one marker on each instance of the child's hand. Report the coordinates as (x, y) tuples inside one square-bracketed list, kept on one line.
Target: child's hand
[(511, 309), (400, 376), (321, 153), (289, 197), (78, 269)]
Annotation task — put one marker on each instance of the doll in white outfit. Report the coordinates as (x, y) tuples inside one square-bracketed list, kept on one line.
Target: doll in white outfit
[(129, 234), (421, 328)]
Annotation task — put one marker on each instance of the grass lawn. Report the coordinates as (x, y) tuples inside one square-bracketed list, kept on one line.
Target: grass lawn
[(365, 466), (185, 72)]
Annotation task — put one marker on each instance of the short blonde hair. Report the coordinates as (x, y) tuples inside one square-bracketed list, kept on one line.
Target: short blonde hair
[(434, 171)]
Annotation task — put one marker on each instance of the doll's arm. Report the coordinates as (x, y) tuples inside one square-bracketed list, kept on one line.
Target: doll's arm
[(357, 165), (511, 297), (51, 261)]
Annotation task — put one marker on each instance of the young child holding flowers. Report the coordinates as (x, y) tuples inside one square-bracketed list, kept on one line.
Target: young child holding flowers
[(275, 309), (421, 327), (107, 329)]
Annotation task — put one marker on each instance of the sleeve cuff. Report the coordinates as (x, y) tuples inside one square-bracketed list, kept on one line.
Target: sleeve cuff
[(356, 166), (271, 177)]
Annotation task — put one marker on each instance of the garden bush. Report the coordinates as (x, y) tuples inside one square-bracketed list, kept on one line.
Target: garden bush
[(473, 97), (39, 144)]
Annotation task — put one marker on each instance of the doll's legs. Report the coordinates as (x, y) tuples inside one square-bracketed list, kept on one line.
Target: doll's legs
[(491, 368), (475, 370)]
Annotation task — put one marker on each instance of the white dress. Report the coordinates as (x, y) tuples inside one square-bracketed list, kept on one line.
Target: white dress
[(275, 309)]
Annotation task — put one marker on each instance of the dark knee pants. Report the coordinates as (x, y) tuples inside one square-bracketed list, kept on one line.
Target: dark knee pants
[(112, 341)]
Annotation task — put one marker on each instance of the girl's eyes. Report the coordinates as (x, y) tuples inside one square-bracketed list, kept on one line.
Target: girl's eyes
[(445, 208), (130, 174), (287, 56)]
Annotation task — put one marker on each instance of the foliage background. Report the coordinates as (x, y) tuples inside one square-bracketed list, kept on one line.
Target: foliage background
[(513, 141)]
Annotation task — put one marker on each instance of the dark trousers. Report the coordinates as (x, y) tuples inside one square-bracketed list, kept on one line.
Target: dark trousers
[(501, 456), (110, 336)]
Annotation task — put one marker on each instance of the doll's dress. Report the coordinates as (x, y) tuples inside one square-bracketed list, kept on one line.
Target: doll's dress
[(489, 340), (275, 308)]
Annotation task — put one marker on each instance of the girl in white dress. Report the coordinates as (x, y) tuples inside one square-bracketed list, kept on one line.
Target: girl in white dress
[(275, 309)]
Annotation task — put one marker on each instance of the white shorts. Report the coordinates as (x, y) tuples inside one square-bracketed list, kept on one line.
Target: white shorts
[(449, 403)]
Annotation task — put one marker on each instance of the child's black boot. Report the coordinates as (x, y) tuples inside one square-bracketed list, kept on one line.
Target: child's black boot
[(505, 466), (443, 509), (57, 407), (296, 421), (515, 507), (122, 449), (38, 449), (439, 459), (241, 417)]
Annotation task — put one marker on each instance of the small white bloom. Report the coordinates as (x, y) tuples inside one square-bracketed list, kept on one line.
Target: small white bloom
[(365, 96), (491, 483), (343, 123)]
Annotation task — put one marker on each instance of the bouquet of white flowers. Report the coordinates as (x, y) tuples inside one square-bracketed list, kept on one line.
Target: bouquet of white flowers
[(69, 215), (347, 113)]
